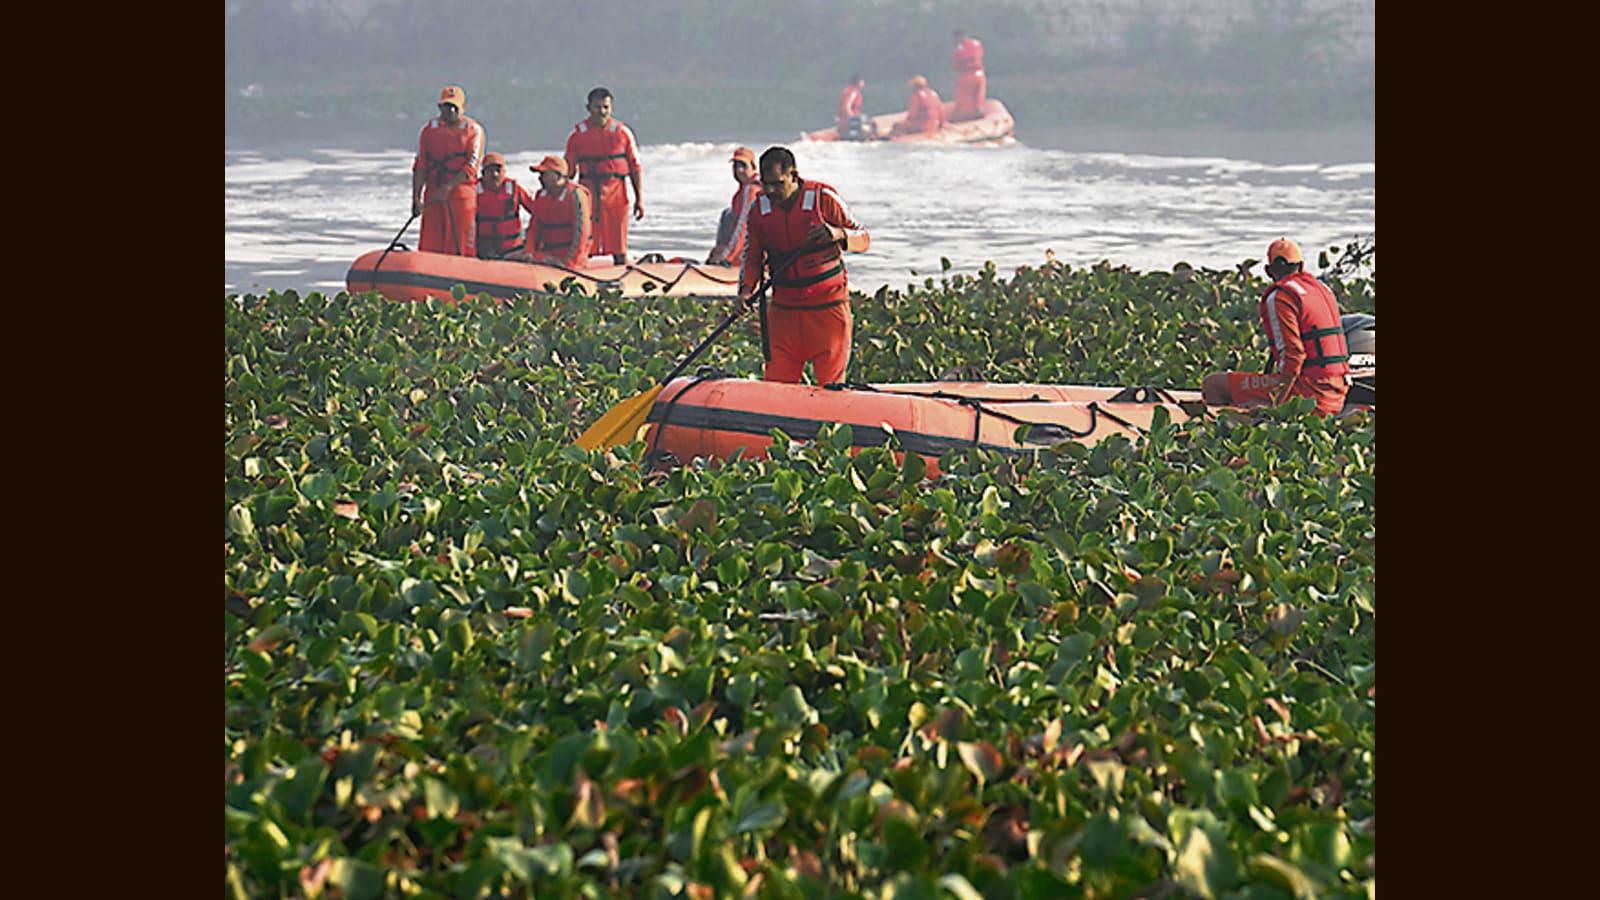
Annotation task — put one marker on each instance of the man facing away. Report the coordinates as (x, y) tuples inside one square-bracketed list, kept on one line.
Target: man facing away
[(730, 250), (602, 155), (501, 201), (850, 100), (559, 229), (1309, 357), (797, 231), (925, 112), (444, 177), (971, 82)]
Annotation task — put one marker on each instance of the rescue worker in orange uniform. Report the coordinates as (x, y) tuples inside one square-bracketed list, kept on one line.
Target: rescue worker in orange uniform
[(925, 112), (798, 230), (444, 178), (1309, 356), (850, 102), (501, 201), (601, 153), (731, 251), (971, 83), (559, 231)]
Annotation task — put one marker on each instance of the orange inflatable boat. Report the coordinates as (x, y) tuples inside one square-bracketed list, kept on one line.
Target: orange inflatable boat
[(718, 417), (994, 128), (411, 275)]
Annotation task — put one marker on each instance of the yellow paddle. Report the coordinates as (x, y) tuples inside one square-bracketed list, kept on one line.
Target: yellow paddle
[(622, 422)]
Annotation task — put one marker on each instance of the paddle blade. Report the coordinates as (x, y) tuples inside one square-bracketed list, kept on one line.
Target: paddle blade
[(621, 422)]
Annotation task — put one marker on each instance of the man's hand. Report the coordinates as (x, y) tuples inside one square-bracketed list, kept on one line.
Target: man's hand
[(638, 208), (822, 234), (416, 207), (742, 304)]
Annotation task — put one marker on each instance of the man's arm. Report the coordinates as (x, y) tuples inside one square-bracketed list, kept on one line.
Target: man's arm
[(851, 235), (582, 223), (755, 259), (1283, 315), (634, 172)]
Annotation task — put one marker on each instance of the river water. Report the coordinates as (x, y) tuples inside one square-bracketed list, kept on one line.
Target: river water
[(297, 216)]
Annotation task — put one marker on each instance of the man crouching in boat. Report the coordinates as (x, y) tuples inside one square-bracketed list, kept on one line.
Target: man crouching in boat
[(559, 227), (924, 113), (730, 249), (1308, 351), (500, 204), (798, 229)]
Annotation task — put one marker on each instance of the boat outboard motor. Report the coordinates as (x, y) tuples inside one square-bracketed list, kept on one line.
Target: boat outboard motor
[(725, 227), (1361, 336), (855, 129)]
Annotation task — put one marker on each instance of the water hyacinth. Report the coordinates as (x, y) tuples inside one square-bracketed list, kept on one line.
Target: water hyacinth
[(463, 658)]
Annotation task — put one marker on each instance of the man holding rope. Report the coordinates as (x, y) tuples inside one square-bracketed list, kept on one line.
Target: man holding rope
[(444, 178)]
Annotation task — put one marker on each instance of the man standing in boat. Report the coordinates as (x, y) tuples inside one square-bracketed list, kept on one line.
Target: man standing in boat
[(971, 83), (730, 251), (559, 229), (924, 113), (501, 201), (601, 153), (1309, 357), (848, 118), (798, 229), (444, 178)]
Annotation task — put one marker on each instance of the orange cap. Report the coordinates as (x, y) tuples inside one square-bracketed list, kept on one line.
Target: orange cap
[(493, 158), (1283, 247), (919, 82), (551, 164), (453, 94), (744, 153)]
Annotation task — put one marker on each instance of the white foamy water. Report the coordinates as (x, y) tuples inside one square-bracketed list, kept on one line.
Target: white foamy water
[(297, 220)]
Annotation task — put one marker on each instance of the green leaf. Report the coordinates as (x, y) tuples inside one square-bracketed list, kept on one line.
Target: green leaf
[(440, 799), (359, 880), (240, 521), (1272, 870), (759, 817), (319, 486), (981, 759), (959, 885)]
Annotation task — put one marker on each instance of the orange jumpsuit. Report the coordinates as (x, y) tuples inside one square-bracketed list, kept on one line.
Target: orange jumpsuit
[(449, 226), (559, 229), (1301, 318), (925, 112), (743, 198), (849, 105), (809, 317), (603, 159), (971, 82), (500, 218)]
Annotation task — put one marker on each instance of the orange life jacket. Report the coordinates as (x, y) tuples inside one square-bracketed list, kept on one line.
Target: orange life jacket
[(849, 103), (602, 157), (1321, 330), (815, 279), (442, 151), (926, 110), (500, 219), (553, 221), (967, 57)]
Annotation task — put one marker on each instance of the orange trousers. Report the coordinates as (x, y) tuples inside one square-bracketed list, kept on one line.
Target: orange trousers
[(798, 336), (452, 225), (610, 223), (970, 96), (1255, 389)]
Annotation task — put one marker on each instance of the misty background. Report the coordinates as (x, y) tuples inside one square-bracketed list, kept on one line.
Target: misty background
[(367, 72)]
